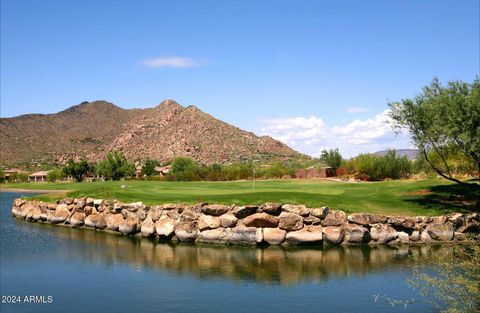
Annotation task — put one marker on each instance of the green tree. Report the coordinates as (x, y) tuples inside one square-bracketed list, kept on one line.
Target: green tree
[(2, 175), (374, 167), (331, 158), (184, 169), (452, 282), (77, 170), (148, 168), (442, 117), (21, 177), (115, 166), (55, 175)]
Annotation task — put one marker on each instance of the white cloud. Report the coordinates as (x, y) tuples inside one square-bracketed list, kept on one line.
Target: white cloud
[(353, 110), (311, 134), (172, 61)]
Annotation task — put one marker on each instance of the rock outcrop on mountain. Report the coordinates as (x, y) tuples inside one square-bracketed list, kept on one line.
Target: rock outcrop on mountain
[(91, 129)]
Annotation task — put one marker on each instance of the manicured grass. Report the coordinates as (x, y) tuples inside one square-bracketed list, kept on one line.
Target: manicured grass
[(402, 197)]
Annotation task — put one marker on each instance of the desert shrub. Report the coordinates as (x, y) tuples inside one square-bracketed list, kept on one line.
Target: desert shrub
[(55, 175), (374, 167), (331, 158), (148, 168), (115, 166), (184, 169)]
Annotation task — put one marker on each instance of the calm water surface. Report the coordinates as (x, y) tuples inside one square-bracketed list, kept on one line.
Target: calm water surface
[(89, 271)]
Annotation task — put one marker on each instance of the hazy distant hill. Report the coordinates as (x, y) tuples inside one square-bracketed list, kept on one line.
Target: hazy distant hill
[(90, 129), (411, 154)]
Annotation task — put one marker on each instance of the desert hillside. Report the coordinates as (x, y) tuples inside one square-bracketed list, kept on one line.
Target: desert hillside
[(91, 129)]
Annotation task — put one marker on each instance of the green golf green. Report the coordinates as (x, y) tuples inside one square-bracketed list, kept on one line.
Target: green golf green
[(401, 197)]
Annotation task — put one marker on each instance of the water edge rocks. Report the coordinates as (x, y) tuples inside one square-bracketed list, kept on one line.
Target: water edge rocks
[(269, 223)]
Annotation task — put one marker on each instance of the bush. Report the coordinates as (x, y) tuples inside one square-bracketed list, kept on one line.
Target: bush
[(115, 166), (184, 169), (374, 167), (331, 158), (77, 170), (148, 169), (55, 175)]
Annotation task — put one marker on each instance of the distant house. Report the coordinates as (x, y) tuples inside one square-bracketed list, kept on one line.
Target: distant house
[(38, 176), (315, 172), (9, 172)]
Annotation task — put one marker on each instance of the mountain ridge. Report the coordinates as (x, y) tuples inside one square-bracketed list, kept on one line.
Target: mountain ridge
[(91, 129)]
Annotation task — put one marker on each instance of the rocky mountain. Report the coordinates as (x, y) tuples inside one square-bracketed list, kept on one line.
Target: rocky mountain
[(91, 129)]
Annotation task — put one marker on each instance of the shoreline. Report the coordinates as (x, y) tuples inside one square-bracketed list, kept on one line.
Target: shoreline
[(265, 224)]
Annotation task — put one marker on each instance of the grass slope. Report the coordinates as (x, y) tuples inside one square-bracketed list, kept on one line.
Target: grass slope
[(401, 197)]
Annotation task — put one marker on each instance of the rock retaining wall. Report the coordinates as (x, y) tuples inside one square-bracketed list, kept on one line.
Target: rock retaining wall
[(269, 223)]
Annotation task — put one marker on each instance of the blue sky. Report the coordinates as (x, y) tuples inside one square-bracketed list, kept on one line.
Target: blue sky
[(315, 74)]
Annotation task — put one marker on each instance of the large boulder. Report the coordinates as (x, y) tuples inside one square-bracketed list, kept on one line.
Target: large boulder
[(403, 237), (61, 214), (244, 211), (186, 231), (414, 236), (271, 208), (245, 235), (425, 237), (383, 233), (96, 221), (165, 226), (37, 214), (218, 235), (401, 222), (155, 213), (312, 220), (321, 212), (208, 222), (442, 232), (333, 234), (359, 218), (274, 236), (148, 227), (187, 215), (261, 220), (466, 223), (356, 234), (77, 219), (89, 210), (134, 207), (113, 221), (378, 218), (301, 209), (335, 218), (129, 226), (290, 221), (215, 209), (307, 235), (228, 220)]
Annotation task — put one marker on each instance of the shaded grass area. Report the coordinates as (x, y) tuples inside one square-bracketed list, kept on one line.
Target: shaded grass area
[(401, 197)]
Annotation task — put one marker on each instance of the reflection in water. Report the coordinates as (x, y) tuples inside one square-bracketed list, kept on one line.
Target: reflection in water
[(274, 264)]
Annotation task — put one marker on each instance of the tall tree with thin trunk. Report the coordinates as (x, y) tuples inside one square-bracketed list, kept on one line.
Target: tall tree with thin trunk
[(442, 117)]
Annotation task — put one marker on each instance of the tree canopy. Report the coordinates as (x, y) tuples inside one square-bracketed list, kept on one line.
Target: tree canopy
[(440, 119), (115, 166), (77, 170), (332, 158)]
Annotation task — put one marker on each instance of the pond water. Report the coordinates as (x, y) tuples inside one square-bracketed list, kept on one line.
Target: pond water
[(90, 271)]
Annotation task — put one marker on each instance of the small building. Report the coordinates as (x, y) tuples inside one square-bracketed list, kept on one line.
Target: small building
[(10, 172), (315, 172), (38, 176)]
